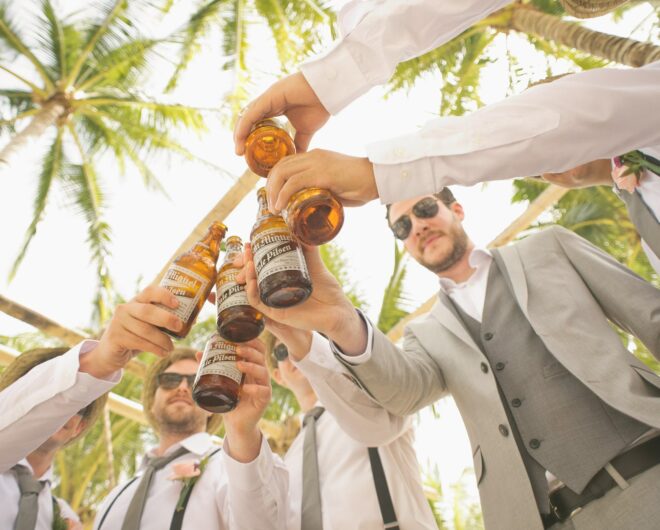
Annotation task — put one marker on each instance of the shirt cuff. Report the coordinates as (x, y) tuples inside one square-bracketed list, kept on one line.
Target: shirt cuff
[(320, 354), (253, 475), (336, 78), (363, 357), (399, 182)]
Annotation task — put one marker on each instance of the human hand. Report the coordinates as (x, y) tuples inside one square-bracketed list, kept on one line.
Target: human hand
[(350, 178), (133, 329), (292, 97), (593, 173), (242, 432)]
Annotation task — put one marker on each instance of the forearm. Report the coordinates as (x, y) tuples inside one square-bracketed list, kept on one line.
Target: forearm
[(243, 445), (378, 38), (583, 117)]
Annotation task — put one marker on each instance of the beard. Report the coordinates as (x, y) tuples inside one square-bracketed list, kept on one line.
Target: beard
[(459, 243), (180, 421)]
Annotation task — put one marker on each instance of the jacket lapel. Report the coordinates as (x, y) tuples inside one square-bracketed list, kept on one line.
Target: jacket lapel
[(446, 314), (511, 267)]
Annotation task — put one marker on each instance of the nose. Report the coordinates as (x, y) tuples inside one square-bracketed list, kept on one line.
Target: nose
[(183, 385), (418, 225)]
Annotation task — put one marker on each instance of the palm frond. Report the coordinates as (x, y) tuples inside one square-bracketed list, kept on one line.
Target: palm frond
[(394, 301), (11, 39), (52, 167), (197, 28), (15, 105), (336, 262), (52, 40)]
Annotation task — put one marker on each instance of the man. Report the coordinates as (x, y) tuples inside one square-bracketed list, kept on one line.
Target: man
[(25, 489), (521, 338), (353, 474), (639, 189), (553, 127), (187, 481), (40, 402)]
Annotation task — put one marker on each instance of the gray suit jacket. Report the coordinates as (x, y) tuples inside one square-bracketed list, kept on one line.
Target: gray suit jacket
[(569, 291)]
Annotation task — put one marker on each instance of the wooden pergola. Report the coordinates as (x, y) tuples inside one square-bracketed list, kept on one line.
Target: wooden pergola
[(246, 183)]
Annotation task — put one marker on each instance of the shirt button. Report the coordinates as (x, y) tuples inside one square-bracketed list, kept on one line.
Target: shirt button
[(534, 443), (499, 366), (399, 151), (404, 173), (488, 336), (516, 402), (484, 368), (504, 430)]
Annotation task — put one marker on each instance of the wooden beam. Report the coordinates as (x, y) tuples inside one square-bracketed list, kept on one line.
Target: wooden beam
[(544, 201), (244, 185)]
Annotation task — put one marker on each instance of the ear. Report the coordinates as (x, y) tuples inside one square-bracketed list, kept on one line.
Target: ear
[(458, 211)]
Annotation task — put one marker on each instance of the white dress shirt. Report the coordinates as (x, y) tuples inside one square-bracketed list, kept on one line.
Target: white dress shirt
[(10, 496), (551, 127), (228, 495), (38, 404), (348, 494)]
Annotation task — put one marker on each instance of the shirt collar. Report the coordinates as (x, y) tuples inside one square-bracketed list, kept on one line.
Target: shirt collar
[(198, 444), (47, 476), (479, 259)]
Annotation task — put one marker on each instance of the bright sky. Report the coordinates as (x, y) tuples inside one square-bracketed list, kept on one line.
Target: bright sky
[(57, 279)]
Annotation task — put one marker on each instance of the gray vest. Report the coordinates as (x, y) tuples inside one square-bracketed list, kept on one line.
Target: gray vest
[(558, 423), (642, 217)]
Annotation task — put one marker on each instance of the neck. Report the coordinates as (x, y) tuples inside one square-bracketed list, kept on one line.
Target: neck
[(306, 398), (168, 439), (41, 460), (460, 271)]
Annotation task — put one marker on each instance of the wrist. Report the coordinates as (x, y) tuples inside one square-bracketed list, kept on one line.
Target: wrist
[(94, 363), (243, 443), (349, 332)]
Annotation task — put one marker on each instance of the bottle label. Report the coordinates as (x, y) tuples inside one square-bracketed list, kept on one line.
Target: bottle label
[(230, 293), (275, 250), (219, 359), (187, 286)]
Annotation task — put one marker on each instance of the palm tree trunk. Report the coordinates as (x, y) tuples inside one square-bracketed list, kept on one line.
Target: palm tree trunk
[(43, 120), (617, 49)]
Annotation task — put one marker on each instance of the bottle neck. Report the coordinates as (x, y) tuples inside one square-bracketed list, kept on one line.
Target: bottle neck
[(233, 251), (210, 245)]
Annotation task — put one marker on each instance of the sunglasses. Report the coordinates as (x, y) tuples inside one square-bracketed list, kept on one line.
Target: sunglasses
[(425, 208), (280, 352), (172, 380)]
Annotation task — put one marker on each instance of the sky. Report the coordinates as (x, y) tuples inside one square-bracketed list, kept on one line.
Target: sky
[(58, 280)]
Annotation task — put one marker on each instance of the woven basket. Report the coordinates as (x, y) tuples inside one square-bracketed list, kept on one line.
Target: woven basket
[(590, 8)]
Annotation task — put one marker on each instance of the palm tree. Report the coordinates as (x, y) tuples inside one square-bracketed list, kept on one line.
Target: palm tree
[(297, 27), (461, 60), (77, 83)]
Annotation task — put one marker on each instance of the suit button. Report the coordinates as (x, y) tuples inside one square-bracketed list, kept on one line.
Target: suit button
[(499, 366), (488, 336), (504, 430), (516, 402), (484, 368), (534, 443)]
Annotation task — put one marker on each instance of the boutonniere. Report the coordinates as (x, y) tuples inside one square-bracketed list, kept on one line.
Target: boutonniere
[(188, 472), (628, 169)]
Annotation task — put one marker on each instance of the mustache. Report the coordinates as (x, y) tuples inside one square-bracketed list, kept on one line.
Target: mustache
[(437, 233)]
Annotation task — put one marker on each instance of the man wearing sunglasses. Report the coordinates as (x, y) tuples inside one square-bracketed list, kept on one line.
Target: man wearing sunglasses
[(25, 490), (347, 473), (240, 484), (562, 419)]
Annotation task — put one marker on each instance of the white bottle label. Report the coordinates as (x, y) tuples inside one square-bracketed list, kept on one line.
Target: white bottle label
[(187, 286), (230, 293), (275, 250), (219, 359)]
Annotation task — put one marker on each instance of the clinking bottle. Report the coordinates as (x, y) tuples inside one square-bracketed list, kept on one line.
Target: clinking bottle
[(278, 259), (237, 320), (314, 215), (190, 277)]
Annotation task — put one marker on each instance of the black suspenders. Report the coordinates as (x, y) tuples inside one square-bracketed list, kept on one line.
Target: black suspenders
[(382, 491)]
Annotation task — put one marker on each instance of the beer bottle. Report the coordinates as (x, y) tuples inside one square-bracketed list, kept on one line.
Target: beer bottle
[(190, 277), (218, 381), (278, 259), (237, 321), (314, 215)]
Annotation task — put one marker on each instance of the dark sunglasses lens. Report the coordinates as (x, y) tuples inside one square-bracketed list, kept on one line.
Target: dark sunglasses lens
[(281, 352), (168, 380), (401, 227), (426, 208)]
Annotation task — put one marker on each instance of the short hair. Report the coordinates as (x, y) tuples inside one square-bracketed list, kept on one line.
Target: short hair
[(32, 358), (445, 196), (151, 385)]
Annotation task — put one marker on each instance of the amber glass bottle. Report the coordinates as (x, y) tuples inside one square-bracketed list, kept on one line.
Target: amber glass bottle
[(314, 215), (266, 145), (218, 382), (281, 270), (190, 277), (237, 321)]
